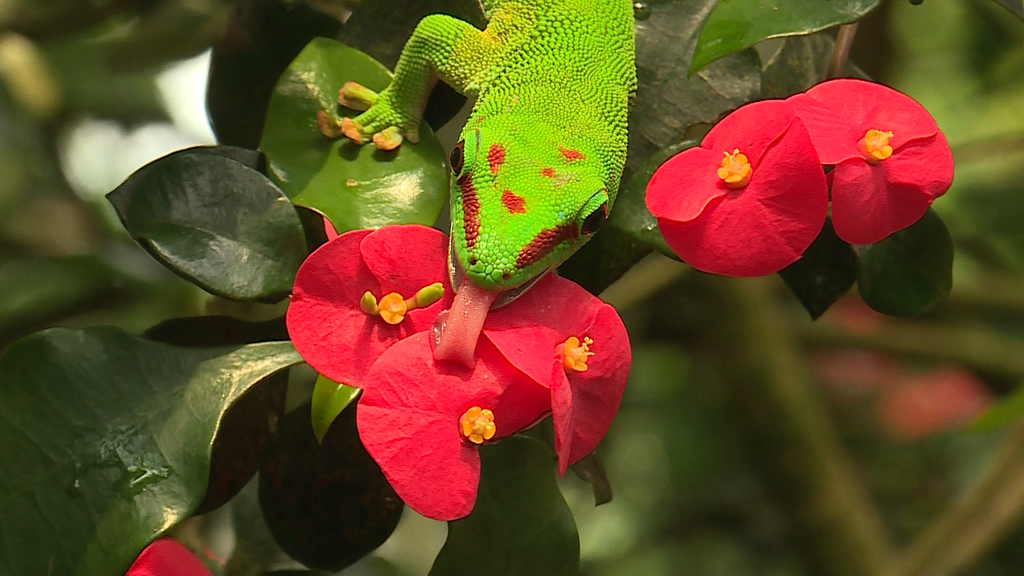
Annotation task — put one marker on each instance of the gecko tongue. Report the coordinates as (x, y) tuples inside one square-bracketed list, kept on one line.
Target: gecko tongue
[(455, 332)]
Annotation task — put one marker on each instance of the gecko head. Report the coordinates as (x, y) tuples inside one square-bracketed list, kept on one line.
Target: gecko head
[(522, 203)]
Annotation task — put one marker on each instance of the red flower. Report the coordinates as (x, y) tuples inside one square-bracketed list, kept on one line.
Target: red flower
[(752, 212), (357, 295), (167, 557), (891, 161), (556, 349), (574, 344), (414, 415)]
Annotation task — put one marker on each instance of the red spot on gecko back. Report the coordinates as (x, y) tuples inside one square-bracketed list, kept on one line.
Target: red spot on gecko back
[(571, 155), (514, 203), (544, 242), (495, 158), (548, 172), (470, 210)]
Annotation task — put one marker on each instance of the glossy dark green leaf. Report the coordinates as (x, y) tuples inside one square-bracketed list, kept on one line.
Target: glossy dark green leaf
[(521, 525), (827, 271), (801, 62), (246, 428), (735, 25), (107, 442), (168, 32), (1009, 410), (909, 272), (669, 102), (630, 214), (329, 399), (381, 29), (1015, 6), (354, 186), (262, 37), (216, 222), (327, 504)]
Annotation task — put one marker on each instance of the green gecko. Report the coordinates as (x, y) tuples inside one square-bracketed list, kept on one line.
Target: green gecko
[(539, 161)]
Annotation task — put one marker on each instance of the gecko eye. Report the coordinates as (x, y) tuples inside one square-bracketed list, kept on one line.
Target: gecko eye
[(593, 222), (457, 157)]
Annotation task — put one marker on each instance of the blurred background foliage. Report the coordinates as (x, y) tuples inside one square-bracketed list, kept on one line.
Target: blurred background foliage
[(751, 441)]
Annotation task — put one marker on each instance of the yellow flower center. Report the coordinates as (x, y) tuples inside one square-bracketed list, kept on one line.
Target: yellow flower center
[(875, 146), (735, 170), (392, 308), (575, 354), (477, 425)]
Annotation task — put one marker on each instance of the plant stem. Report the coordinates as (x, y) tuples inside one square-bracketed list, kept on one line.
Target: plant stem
[(975, 522), (844, 41), (788, 425)]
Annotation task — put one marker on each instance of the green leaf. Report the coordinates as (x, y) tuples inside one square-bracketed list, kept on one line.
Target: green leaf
[(327, 504), (630, 214), (801, 62), (107, 442), (521, 525), (1015, 6), (669, 101), (738, 24), (246, 428), (909, 272), (827, 270), (592, 471), (353, 186), (1009, 410), (216, 222), (262, 38), (329, 399)]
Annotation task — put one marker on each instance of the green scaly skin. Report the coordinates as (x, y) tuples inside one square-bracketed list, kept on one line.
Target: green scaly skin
[(541, 156)]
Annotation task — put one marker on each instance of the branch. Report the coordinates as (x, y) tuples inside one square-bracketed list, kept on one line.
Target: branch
[(788, 423), (975, 523), (975, 348), (841, 52)]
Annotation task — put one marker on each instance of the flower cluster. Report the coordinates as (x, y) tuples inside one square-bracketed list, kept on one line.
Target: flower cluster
[(363, 312), (757, 209)]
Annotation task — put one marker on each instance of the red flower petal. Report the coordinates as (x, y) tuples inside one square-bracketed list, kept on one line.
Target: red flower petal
[(767, 225), (753, 129), (870, 202), (839, 112), (527, 331), (167, 557), (584, 403), (685, 184), (325, 322), (408, 420)]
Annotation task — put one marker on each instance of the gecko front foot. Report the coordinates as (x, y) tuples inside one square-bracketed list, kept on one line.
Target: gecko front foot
[(384, 122)]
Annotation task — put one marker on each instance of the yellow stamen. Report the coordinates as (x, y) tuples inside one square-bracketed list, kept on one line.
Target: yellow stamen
[(575, 354), (875, 146), (392, 308), (735, 170), (477, 425)]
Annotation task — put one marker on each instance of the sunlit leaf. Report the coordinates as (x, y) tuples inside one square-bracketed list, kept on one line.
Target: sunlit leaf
[(354, 186), (520, 525), (215, 221), (909, 272), (1009, 410), (1015, 6), (738, 24), (107, 442), (329, 399)]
